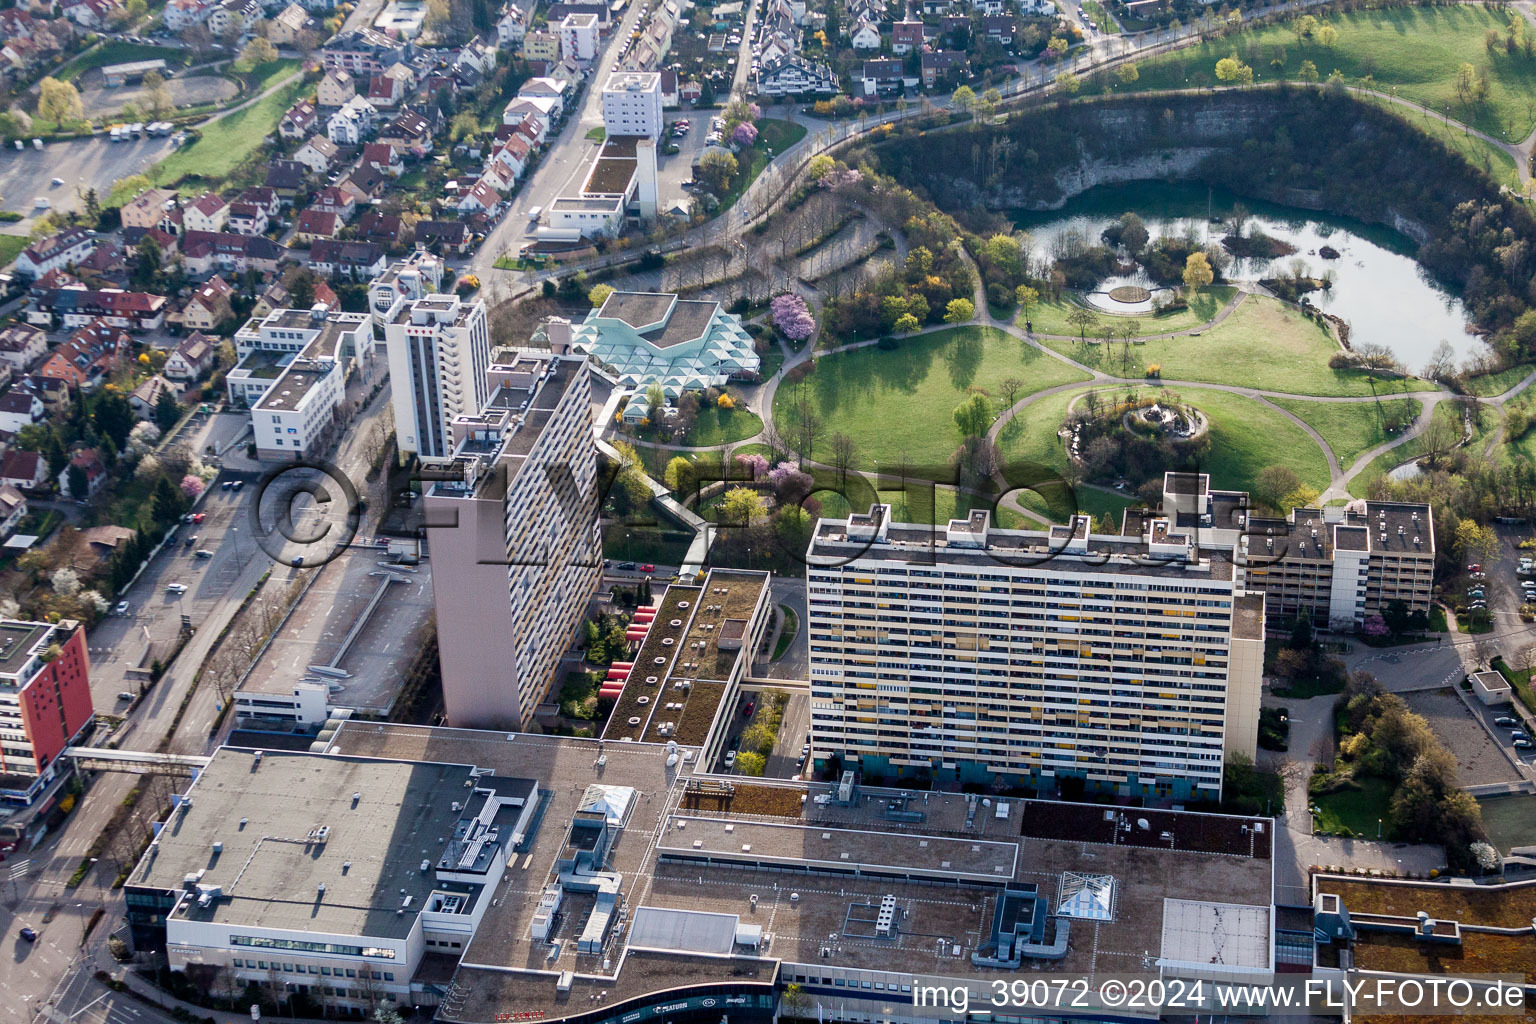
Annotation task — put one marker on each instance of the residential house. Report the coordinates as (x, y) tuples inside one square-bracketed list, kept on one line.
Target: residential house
[(366, 183), (78, 306), (934, 7), (230, 16), (668, 87), (104, 261), (999, 28), (147, 395), (87, 355), (298, 121), (19, 408), (247, 218), (364, 52), (882, 77), (276, 297), (16, 24), (105, 541), (906, 36), (943, 67), (541, 45), (794, 75), (989, 6), (25, 471), (443, 237), (209, 306), (410, 132), (547, 88), (284, 28), (351, 124), (21, 345), (206, 213), (383, 228), (690, 91), (331, 199), (499, 176), (55, 252), (383, 157), (336, 88), (205, 253), (57, 395), (514, 154), (955, 31), (865, 36), (90, 14), (180, 15), (265, 198), (512, 26), (83, 476), (480, 198), (13, 509), (357, 261), (314, 225), (287, 178), (522, 117), (385, 92), (318, 153), (194, 357)]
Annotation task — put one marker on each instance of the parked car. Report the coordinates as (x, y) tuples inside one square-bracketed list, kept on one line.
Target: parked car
[(125, 695), (626, 566), (647, 567), (730, 759), (1506, 721), (176, 588), (29, 934), (121, 609), (1475, 567), (1522, 744)]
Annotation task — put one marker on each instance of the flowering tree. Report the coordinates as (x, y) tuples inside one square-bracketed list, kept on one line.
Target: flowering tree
[(789, 482), (745, 134), (754, 111), (142, 438), (66, 581), (95, 600), (792, 317), (192, 486), (1375, 625), (756, 466)]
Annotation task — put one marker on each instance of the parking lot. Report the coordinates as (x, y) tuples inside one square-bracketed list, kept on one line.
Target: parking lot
[(83, 164), (794, 731), (1483, 752)]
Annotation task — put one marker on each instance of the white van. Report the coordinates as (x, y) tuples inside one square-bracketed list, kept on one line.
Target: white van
[(535, 212), (42, 203)]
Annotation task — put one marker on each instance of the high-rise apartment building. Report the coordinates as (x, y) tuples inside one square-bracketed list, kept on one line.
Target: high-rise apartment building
[(45, 702), (632, 104), (512, 524), (1335, 565), (439, 346), (1129, 664)]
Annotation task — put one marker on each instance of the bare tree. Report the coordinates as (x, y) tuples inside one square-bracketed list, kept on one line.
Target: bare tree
[(1011, 388), (843, 450), (807, 425)]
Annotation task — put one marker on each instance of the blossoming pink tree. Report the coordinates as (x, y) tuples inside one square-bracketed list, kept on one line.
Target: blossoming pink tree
[(792, 317), (744, 135), (192, 486)]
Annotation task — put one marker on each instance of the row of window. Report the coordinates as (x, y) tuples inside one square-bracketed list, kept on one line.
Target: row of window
[(262, 965)]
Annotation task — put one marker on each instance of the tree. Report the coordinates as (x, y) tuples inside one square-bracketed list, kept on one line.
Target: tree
[(58, 101), (1069, 83), (1476, 542), (599, 294), (1327, 35), (1011, 387), (958, 311), (717, 169), (656, 399), (963, 99), (1083, 319), (742, 506), (1230, 69), (113, 416), (146, 265), (843, 450), (1003, 253), (1026, 297), (792, 317), (745, 135), (1197, 272), (1442, 362), (257, 52), (1274, 483), (679, 475), (465, 125), (167, 410), (973, 416), (439, 14), (906, 323), (1133, 232), (1127, 73), (794, 1000), (159, 93), (749, 762)]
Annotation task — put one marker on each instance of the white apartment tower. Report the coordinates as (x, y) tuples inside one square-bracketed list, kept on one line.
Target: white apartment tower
[(578, 36), (512, 524), (632, 104), (438, 346), (1129, 665)]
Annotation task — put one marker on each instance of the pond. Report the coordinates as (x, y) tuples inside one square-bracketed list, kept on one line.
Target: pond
[(1377, 285)]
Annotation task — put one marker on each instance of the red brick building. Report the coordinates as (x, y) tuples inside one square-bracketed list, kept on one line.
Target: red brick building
[(45, 702)]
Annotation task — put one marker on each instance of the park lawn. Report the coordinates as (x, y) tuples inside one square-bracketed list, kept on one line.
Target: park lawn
[(1416, 50), (1264, 344), (10, 247), (772, 134), (1353, 428), (1490, 384), (722, 426), (123, 53), (264, 76), (1356, 810), (1412, 448), (227, 142), (901, 403), (1523, 448), (1050, 316), (919, 503)]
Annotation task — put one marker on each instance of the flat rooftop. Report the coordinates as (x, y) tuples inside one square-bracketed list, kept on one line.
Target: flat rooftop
[(265, 813), (16, 642), (322, 620)]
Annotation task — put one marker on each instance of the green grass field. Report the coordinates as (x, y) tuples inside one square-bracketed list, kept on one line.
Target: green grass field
[(902, 402), (10, 247), (1478, 152), (227, 142), (722, 426), (1264, 344), (1416, 50), (1498, 383), (1051, 317), (773, 134), (1413, 448), (1356, 811), (123, 53), (1354, 428)]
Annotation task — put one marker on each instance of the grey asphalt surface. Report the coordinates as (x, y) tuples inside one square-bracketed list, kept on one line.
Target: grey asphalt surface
[(82, 163)]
